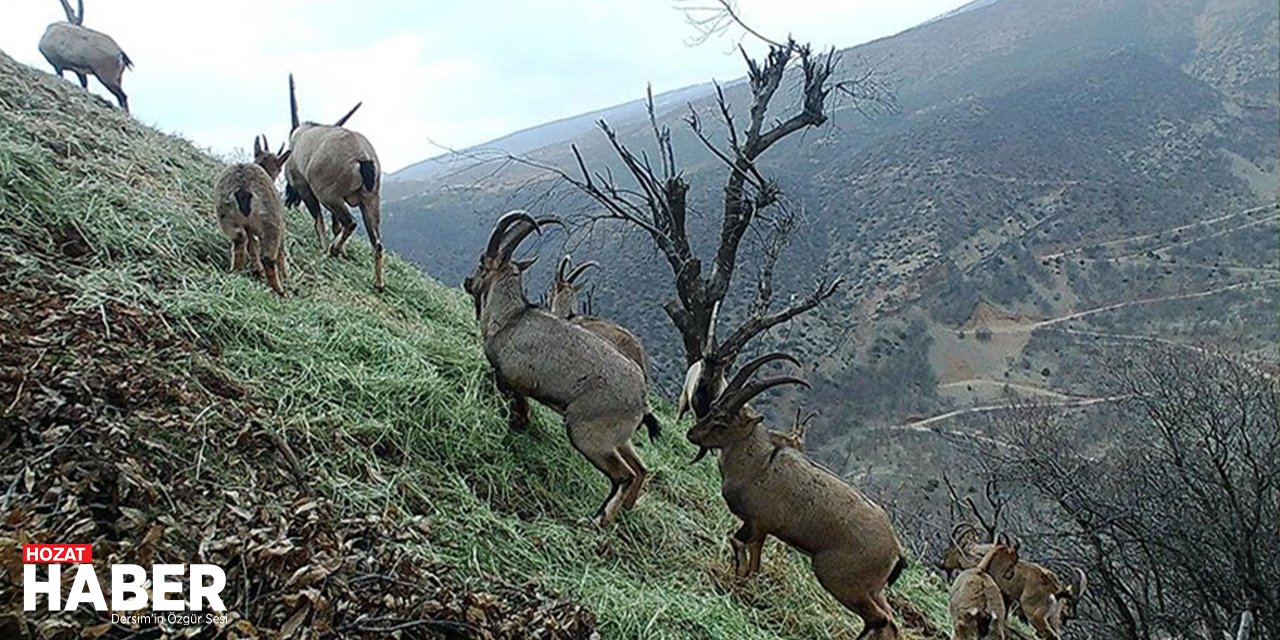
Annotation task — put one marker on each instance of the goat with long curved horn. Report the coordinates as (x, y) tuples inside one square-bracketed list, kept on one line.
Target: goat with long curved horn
[(777, 491), (579, 374)]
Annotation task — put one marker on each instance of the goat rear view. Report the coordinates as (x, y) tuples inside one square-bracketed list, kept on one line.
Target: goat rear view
[(1044, 599), (976, 603), (333, 167), (251, 216), (70, 46)]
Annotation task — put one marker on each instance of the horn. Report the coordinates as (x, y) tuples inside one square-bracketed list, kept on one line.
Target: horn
[(343, 120), (962, 529), (710, 345), (560, 268), (1081, 585), (702, 453), (577, 272), (293, 105), (80, 12), (257, 145), (744, 374), (500, 229), (510, 244), (741, 397)]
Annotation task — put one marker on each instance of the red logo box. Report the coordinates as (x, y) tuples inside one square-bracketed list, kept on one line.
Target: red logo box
[(57, 553)]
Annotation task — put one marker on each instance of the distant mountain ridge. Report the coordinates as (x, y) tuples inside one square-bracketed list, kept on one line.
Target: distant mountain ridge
[(1104, 169), (536, 137)]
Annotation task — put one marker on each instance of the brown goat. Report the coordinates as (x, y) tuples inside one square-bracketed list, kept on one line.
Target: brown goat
[(1045, 600), (852, 546), (70, 46), (977, 606), (335, 167), (251, 216), (577, 373), (562, 301)]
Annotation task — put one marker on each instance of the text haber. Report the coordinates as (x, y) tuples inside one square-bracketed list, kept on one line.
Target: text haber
[(129, 582)]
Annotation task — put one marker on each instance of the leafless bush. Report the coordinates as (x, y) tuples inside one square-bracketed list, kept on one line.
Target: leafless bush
[(1172, 502)]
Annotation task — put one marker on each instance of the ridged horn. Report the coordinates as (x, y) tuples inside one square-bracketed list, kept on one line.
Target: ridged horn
[(500, 229), (578, 271)]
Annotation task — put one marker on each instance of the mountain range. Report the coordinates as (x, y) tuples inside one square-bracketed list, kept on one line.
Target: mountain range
[(1060, 180)]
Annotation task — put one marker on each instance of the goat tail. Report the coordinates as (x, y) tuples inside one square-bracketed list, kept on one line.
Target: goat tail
[(125, 61), (368, 174), (898, 568), (244, 200), (651, 423)]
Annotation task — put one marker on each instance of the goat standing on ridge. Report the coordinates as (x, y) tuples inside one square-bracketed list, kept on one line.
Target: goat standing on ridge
[(335, 167), (251, 216), (776, 490), (71, 46), (575, 372)]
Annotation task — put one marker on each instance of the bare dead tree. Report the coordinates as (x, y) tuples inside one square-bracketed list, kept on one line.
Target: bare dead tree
[(652, 193), (991, 518)]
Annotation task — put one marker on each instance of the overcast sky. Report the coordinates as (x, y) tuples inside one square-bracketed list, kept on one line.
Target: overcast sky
[(457, 72)]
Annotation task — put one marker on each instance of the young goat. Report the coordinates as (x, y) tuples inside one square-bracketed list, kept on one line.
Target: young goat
[(580, 375), (1043, 598), (251, 216), (70, 46), (777, 491), (562, 302), (335, 167), (977, 606)]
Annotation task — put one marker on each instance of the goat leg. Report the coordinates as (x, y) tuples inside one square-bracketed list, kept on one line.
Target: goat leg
[(747, 544), (518, 412)]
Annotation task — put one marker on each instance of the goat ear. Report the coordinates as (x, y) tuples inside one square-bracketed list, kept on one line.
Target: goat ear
[(257, 145), (284, 156)]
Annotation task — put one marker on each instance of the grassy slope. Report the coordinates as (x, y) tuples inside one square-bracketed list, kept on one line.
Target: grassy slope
[(384, 397)]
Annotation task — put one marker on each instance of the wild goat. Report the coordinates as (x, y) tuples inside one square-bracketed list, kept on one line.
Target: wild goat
[(777, 491), (1044, 599), (251, 216), (575, 372), (71, 46), (562, 302), (335, 167), (977, 606)]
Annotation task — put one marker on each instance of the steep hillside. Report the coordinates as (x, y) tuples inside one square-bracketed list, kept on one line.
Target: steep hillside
[(341, 454), (1101, 171)]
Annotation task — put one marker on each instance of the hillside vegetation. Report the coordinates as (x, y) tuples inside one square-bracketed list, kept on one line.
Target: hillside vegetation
[(341, 453)]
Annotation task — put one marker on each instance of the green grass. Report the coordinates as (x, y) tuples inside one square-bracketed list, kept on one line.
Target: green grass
[(385, 398)]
